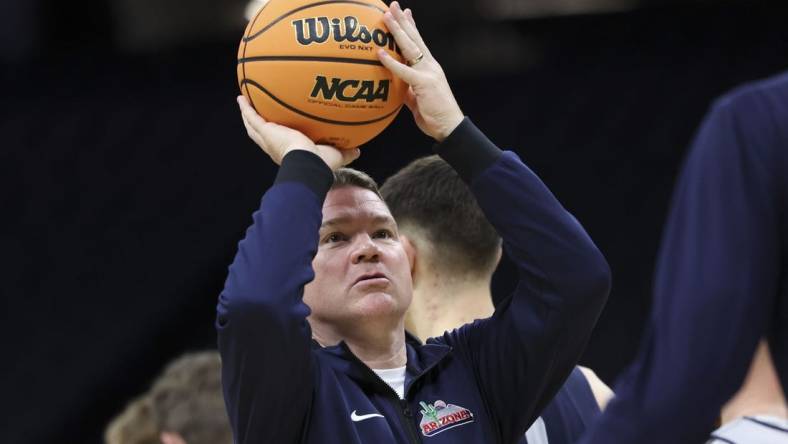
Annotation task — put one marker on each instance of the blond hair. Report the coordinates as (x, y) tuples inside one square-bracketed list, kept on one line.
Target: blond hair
[(185, 399), (134, 425)]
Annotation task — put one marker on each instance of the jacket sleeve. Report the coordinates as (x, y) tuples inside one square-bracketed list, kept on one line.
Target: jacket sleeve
[(524, 352), (716, 280), (264, 338)]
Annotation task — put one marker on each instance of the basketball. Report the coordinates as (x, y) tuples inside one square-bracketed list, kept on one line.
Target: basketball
[(312, 66)]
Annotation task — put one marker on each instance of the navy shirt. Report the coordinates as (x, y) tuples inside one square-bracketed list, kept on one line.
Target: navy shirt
[(482, 383), (722, 278)]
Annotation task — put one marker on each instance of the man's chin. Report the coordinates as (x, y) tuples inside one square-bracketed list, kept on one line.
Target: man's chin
[(376, 303)]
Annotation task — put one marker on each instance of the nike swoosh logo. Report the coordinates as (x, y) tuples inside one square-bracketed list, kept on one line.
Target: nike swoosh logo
[(357, 418)]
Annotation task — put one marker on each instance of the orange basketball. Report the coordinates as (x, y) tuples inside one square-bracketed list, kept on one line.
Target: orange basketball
[(311, 65)]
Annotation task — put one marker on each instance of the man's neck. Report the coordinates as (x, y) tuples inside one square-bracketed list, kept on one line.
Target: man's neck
[(442, 303), (377, 346)]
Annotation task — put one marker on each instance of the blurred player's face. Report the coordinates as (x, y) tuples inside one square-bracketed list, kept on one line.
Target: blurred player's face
[(361, 269)]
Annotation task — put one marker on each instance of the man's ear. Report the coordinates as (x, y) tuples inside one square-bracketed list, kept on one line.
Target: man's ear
[(171, 438), (410, 251), (500, 255)]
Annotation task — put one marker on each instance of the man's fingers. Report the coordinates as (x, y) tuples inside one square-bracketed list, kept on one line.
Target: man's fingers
[(408, 25), (250, 131), (244, 105), (247, 111), (247, 114), (410, 49), (253, 122), (407, 74), (419, 40), (350, 155)]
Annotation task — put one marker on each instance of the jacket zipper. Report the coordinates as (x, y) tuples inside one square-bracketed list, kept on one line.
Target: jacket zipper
[(400, 405), (406, 417), (404, 409)]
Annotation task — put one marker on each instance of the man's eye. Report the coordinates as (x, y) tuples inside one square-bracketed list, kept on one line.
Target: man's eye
[(334, 237), (383, 234)]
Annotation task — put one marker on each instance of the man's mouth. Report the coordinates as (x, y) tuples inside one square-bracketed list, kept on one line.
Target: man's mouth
[(370, 277)]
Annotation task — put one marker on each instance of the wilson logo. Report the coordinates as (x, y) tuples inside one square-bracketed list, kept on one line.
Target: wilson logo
[(350, 90), (348, 29)]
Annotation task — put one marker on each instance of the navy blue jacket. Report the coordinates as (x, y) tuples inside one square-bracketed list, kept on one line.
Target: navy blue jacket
[(571, 411), (484, 382), (722, 279)]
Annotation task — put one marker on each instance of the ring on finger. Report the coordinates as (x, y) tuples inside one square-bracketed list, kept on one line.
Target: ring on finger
[(416, 60)]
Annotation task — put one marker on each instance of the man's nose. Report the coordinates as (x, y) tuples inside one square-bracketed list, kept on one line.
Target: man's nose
[(365, 250)]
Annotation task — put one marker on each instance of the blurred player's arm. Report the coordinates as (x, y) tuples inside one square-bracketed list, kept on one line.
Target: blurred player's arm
[(716, 280)]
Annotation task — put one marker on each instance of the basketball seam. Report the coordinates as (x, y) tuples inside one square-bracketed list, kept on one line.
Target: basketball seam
[(313, 117), (307, 59), (243, 68), (301, 8)]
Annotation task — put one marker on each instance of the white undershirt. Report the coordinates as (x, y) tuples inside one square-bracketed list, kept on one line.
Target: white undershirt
[(752, 430), (394, 377), (537, 433)]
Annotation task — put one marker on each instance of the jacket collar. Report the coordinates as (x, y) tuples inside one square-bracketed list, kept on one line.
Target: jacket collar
[(421, 359)]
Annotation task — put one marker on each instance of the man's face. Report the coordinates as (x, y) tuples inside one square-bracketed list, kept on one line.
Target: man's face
[(361, 269)]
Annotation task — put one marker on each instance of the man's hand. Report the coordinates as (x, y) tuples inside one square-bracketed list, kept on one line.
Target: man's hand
[(429, 97), (277, 140)]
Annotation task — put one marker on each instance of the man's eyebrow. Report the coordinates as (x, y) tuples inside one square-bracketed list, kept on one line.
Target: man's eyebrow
[(343, 220)]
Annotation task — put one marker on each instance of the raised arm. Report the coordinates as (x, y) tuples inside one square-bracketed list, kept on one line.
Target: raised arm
[(264, 338), (523, 355), (525, 351)]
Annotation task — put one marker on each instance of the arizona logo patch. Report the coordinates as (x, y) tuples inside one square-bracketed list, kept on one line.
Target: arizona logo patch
[(439, 416)]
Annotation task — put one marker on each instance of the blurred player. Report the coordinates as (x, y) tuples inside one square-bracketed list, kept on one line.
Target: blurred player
[(436, 212), (721, 283), (184, 406)]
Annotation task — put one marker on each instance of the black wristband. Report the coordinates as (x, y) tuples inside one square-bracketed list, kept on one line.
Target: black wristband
[(468, 150), (309, 169)]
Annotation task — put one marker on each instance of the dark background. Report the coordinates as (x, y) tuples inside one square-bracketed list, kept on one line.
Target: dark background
[(128, 178)]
